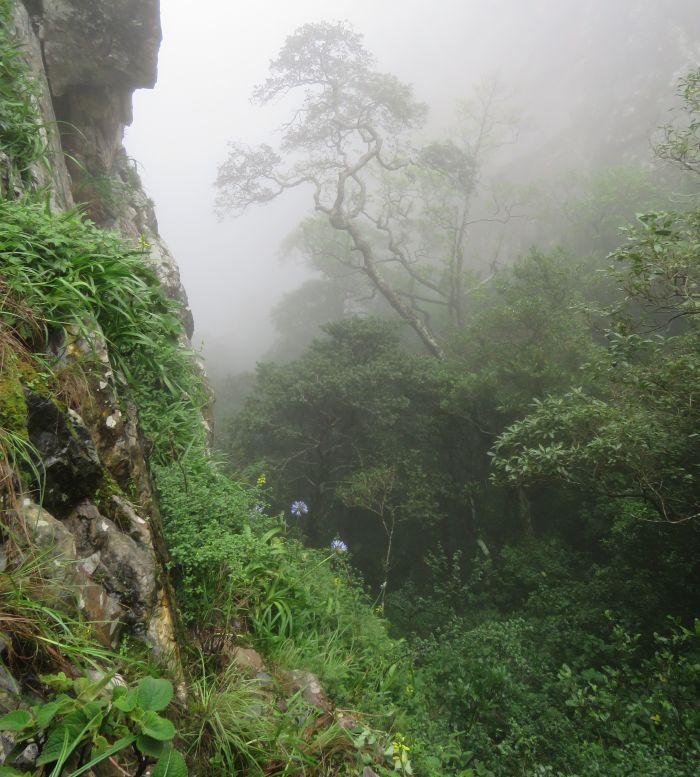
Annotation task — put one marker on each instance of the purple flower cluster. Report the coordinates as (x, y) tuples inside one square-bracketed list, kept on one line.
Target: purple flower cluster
[(299, 508), (339, 546)]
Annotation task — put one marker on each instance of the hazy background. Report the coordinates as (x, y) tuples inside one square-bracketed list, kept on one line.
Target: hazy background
[(590, 81)]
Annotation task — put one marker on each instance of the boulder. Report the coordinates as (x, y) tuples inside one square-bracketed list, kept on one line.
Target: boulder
[(306, 683), (72, 574), (130, 521), (103, 611), (246, 659), (49, 534)]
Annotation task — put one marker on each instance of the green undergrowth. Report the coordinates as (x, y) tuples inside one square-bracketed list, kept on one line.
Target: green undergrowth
[(87, 703), (20, 137), (235, 728), (236, 570), (69, 273), (302, 607), (241, 579)]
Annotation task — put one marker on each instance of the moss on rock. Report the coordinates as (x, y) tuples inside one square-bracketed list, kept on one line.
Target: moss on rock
[(13, 406)]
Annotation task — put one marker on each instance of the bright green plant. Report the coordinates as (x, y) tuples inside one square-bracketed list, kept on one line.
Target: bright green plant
[(70, 273), (87, 722)]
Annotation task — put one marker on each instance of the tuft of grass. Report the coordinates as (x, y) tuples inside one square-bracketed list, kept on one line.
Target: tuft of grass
[(36, 619), (235, 726)]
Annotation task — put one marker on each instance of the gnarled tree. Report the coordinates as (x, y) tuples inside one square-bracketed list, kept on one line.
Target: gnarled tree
[(349, 141)]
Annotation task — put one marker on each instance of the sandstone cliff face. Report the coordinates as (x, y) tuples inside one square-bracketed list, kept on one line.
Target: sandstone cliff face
[(88, 57)]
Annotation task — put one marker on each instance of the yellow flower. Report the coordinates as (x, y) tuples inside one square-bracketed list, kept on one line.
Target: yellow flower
[(656, 718), (261, 480)]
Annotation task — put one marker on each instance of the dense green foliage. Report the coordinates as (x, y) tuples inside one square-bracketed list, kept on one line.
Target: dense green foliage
[(61, 278), (525, 507), (235, 571), (232, 564)]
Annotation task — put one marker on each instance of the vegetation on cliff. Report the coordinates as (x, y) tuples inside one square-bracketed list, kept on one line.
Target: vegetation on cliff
[(77, 706), (521, 500)]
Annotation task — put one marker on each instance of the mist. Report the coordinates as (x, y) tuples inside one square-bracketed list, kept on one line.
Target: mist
[(588, 81)]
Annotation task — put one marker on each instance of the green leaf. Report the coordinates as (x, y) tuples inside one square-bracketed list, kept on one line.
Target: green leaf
[(150, 746), (170, 764), (125, 703), (90, 691), (17, 720), (159, 728), (153, 693), (119, 692), (45, 713), (55, 744), (57, 682), (68, 729)]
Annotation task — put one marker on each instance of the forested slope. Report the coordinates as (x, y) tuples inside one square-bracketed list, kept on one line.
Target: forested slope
[(511, 457)]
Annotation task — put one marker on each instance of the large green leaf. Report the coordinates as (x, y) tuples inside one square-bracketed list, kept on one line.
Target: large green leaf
[(67, 730), (153, 693), (170, 764), (120, 744), (17, 720), (159, 728), (150, 746), (45, 713)]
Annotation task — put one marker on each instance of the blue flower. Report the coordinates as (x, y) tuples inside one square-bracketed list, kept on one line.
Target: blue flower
[(259, 509), (339, 546), (299, 508)]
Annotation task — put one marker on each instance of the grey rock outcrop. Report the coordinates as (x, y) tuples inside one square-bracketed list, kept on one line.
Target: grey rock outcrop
[(69, 460), (100, 42), (126, 569), (54, 176), (87, 58), (310, 688)]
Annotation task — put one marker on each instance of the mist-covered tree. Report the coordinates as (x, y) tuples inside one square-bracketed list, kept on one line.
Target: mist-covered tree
[(350, 128), (404, 213), (680, 143), (628, 436)]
